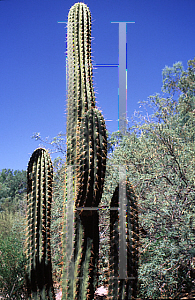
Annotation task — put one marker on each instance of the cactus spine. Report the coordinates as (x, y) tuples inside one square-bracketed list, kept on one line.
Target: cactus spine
[(87, 149), (124, 289), (39, 197)]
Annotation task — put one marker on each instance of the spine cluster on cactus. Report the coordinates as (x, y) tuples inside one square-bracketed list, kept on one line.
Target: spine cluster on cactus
[(39, 197)]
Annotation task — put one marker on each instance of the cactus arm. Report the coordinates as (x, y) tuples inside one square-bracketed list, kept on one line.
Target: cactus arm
[(91, 159)]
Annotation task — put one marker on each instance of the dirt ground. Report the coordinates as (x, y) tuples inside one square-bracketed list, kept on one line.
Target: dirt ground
[(190, 295)]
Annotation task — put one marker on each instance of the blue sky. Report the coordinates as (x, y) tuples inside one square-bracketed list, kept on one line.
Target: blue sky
[(33, 68)]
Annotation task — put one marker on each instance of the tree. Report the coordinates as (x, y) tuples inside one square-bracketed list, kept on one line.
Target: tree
[(12, 234), (12, 189), (57, 217)]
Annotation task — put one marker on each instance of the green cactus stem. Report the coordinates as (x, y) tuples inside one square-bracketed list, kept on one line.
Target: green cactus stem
[(87, 149), (81, 95), (80, 275), (124, 289), (39, 197), (91, 159)]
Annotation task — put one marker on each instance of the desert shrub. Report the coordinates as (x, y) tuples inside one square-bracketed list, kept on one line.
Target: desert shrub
[(12, 258)]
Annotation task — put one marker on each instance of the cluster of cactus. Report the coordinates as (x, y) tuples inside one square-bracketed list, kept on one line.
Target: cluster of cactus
[(86, 166)]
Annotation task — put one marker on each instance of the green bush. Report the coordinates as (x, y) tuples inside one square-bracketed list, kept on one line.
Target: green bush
[(159, 152), (12, 259)]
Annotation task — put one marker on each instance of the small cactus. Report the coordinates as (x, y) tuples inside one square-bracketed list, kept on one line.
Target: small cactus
[(124, 289), (39, 198)]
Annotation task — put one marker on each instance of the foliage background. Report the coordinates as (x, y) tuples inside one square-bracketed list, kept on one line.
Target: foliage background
[(12, 233), (159, 152)]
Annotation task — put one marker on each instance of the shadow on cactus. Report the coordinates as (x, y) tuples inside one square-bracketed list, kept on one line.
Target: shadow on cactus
[(124, 289)]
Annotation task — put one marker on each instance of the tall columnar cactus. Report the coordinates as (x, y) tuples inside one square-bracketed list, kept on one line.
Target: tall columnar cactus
[(87, 151), (86, 166), (124, 289), (39, 197)]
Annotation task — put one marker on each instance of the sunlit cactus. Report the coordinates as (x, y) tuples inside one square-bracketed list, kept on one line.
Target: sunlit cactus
[(81, 95), (87, 152), (85, 173)]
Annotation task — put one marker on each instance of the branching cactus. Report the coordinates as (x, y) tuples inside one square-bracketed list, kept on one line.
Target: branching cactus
[(86, 153), (124, 289), (86, 166), (39, 197)]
